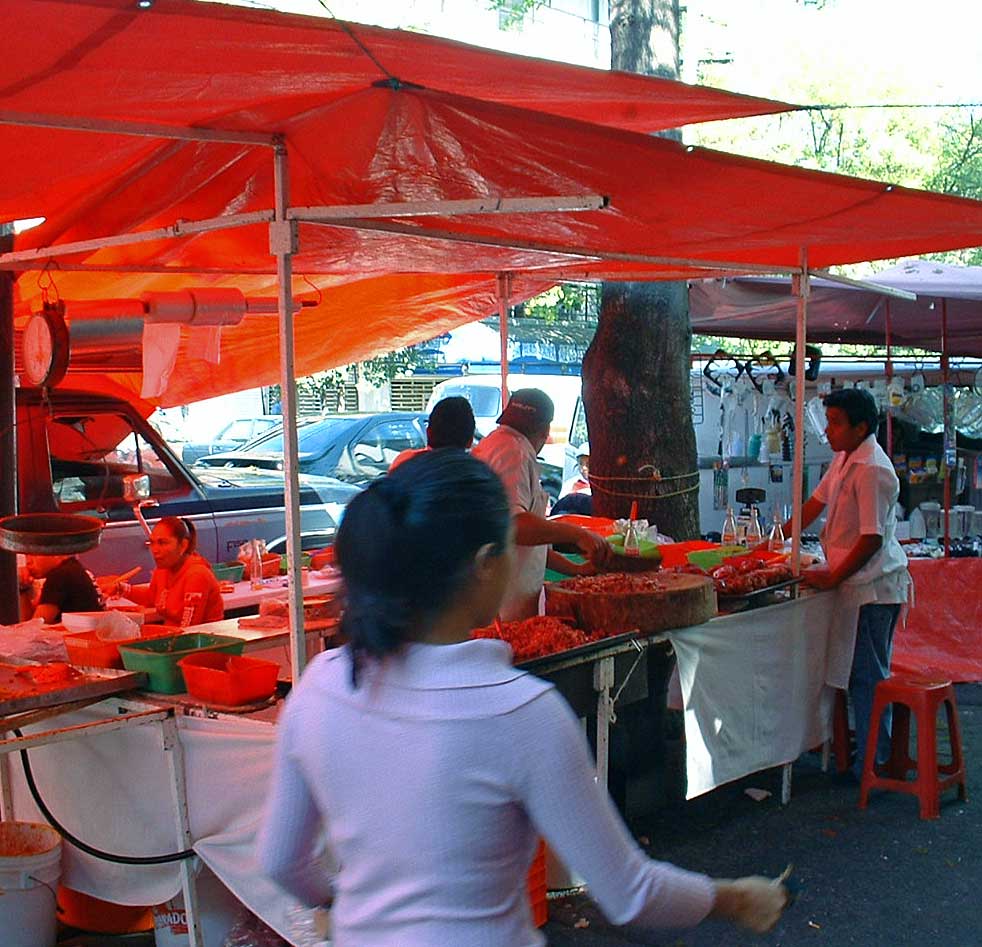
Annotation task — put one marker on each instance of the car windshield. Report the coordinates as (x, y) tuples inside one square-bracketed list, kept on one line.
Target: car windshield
[(313, 438), (485, 402)]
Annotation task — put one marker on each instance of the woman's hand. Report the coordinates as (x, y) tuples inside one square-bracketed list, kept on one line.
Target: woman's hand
[(753, 902), (109, 585)]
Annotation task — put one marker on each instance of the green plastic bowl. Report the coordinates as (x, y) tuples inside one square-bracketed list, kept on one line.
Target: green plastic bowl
[(646, 548), (228, 571)]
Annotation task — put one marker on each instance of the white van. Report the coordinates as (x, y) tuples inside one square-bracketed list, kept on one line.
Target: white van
[(484, 394)]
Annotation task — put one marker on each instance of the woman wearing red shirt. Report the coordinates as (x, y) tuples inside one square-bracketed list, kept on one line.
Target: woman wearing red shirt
[(183, 589)]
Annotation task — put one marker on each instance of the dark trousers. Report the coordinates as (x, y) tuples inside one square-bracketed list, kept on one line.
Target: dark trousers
[(870, 665)]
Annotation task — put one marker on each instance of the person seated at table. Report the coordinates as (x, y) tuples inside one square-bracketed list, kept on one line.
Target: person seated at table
[(183, 589), (451, 424), (68, 587), (412, 718)]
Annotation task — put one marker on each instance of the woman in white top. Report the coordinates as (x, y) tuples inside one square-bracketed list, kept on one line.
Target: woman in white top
[(432, 765)]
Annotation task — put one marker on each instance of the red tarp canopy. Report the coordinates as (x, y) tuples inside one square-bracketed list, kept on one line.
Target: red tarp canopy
[(763, 308), (463, 123)]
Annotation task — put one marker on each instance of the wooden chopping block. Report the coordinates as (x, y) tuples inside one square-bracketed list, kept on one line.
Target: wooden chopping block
[(673, 600)]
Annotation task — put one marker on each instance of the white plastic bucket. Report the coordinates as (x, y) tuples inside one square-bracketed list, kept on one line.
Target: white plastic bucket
[(218, 909), (30, 866)]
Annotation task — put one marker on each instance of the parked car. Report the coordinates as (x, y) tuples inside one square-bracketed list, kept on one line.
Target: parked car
[(231, 437), (76, 449), (354, 448)]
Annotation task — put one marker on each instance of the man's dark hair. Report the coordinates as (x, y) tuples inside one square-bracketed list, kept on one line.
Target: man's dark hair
[(858, 406), (451, 424)]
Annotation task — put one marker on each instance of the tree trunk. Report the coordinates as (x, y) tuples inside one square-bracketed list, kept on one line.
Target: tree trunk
[(636, 370), (637, 399)]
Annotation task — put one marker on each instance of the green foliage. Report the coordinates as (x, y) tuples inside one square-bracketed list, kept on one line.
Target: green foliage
[(567, 301), (383, 368), (514, 11)]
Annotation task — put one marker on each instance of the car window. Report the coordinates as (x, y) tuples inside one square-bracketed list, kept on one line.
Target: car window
[(485, 401), (90, 455), (239, 430), (380, 444), (577, 430), (313, 438)]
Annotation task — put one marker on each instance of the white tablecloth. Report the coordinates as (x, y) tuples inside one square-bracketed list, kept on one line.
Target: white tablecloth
[(753, 689), (114, 791)]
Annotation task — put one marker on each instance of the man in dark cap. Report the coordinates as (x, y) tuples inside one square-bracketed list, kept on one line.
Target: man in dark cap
[(511, 450), (451, 424)]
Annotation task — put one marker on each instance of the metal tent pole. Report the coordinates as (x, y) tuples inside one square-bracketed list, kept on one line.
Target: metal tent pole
[(504, 295), (950, 454), (9, 593), (889, 340), (801, 288), (283, 243)]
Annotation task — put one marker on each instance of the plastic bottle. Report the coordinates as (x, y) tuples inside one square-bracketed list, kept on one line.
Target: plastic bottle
[(256, 566), (918, 525), (775, 541), (729, 534), (754, 533)]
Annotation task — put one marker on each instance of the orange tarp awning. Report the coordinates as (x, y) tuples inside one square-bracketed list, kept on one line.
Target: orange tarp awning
[(465, 123)]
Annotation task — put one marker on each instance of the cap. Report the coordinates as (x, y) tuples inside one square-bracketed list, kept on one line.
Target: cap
[(528, 409), (583, 450)]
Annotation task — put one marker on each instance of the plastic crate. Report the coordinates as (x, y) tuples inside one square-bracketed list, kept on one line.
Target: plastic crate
[(228, 571), (158, 658), (227, 679), (87, 649), (537, 890)]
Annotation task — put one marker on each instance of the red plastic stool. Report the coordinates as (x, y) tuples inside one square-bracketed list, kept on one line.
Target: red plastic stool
[(922, 698)]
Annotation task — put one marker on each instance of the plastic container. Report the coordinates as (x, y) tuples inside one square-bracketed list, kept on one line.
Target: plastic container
[(228, 571), (228, 679), (218, 909), (933, 525), (537, 886), (89, 650), (961, 521), (81, 621), (159, 658), (285, 562), (30, 866)]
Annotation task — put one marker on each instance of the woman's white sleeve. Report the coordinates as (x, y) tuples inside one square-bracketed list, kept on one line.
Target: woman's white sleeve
[(289, 846), (557, 785)]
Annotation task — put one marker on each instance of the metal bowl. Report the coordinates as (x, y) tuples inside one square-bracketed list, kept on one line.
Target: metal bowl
[(49, 534)]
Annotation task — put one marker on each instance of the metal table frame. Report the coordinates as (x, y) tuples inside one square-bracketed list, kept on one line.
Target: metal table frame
[(121, 715)]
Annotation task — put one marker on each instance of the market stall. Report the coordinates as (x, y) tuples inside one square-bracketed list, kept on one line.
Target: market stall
[(320, 181), (945, 315), (754, 694)]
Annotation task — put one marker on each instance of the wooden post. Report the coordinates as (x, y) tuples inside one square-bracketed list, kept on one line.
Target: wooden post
[(801, 289)]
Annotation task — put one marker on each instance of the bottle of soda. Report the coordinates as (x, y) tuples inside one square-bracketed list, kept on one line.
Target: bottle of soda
[(729, 535), (775, 541), (754, 534)]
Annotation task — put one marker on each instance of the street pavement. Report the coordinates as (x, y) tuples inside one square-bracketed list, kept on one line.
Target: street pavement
[(868, 878)]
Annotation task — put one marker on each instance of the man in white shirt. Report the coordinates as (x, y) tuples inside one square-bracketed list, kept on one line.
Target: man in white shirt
[(510, 450), (863, 558)]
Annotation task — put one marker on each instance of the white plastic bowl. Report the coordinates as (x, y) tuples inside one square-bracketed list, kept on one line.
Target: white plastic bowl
[(90, 621)]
